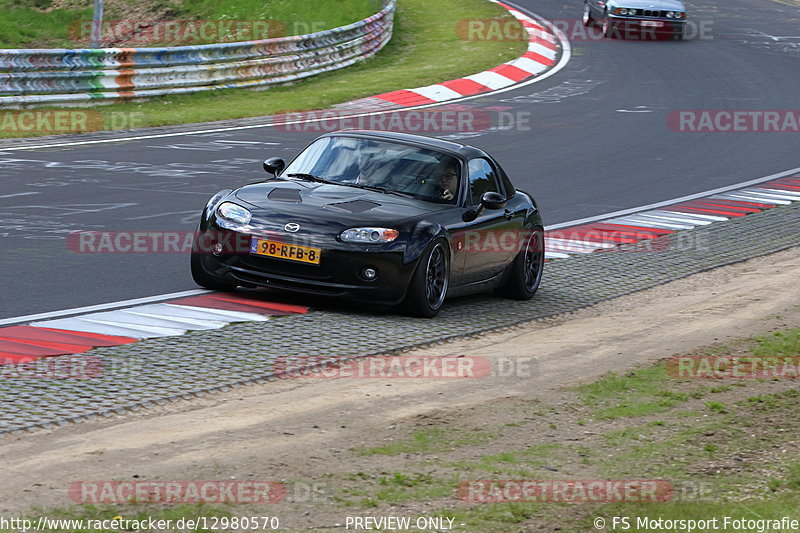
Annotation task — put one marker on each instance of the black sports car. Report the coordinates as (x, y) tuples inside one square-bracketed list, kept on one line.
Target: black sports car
[(381, 217)]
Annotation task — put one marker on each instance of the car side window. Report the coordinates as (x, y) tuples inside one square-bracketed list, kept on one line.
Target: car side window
[(482, 179)]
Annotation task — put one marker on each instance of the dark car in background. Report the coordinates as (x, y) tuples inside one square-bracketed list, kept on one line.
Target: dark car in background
[(380, 217), (637, 18)]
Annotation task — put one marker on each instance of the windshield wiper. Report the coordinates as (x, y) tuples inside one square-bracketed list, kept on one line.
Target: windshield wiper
[(378, 189), (309, 177)]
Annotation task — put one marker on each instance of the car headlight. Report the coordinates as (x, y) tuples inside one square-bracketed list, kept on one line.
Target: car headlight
[(622, 11), (670, 14), (680, 15), (631, 12), (369, 235), (234, 213), (212, 204)]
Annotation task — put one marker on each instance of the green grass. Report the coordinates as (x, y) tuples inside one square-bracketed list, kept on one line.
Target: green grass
[(425, 49), (25, 24), (779, 344), (22, 26), (638, 393)]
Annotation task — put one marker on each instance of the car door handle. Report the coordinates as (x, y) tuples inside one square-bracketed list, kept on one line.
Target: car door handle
[(509, 214)]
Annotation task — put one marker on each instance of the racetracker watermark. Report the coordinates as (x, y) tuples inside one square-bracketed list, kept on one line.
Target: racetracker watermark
[(565, 491), (407, 367), (174, 492), (735, 121), (58, 368), (70, 366), (45, 122), (629, 240), (733, 367), (577, 32), (288, 246), (148, 32), (416, 121)]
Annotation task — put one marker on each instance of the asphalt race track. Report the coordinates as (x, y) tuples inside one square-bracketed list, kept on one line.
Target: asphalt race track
[(600, 142)]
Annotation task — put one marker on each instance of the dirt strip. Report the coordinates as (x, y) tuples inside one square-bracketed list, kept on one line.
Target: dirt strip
[(305, 429)]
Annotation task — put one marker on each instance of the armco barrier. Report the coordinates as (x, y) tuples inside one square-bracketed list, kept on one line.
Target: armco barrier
[(44, 76)]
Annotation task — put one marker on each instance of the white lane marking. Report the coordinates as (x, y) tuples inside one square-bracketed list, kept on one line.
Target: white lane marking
[(566, 55), (188, 323), (665, 203), (182, 313), (232, 316), (103, 328), (528, 65), (18, 194), (763, 198), (102, 307), (437, 92), (542, 50), (697, 215), (779, 193), (751, 198), (677, 217), (492, 80), (126, 318), (647, 222)]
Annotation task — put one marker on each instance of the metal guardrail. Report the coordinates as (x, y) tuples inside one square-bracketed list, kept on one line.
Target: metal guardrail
[(45, 76)]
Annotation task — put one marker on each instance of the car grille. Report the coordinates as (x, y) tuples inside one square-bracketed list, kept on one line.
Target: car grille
[(653, 13)]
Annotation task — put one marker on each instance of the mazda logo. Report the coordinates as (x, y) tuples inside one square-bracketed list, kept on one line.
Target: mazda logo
[(292, 227)]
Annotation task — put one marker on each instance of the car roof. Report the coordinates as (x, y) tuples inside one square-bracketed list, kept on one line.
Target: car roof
[(463, 150)]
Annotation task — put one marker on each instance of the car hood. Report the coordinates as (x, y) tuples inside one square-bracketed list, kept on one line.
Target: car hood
[(325, 208), (650, 4)]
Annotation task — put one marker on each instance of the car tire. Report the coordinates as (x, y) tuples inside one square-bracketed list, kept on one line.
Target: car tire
[(203, 278), (608, 28), (428, 287), (525, 273), (587, 14)]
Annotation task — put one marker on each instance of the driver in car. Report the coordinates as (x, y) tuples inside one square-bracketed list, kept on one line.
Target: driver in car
[(446, 181)]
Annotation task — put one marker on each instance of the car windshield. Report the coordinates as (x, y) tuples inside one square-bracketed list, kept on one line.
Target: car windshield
[(366, 163)]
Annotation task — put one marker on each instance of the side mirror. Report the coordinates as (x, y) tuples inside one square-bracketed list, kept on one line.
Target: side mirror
[(274, 165), (493, 200)]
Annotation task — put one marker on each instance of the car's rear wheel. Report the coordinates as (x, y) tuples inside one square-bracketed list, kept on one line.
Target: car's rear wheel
[(428, 287), (526, 270), (587, 14), (203, 278)]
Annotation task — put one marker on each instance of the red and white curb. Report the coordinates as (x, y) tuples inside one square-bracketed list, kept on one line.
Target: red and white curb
[(650, 224), (541, 55), (79, 334)]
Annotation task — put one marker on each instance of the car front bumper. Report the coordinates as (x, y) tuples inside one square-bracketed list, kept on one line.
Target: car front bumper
[(339, 273), (644, 24)]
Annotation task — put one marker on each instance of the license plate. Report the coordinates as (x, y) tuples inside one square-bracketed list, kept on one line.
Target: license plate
[(281, 250), (652, 24)]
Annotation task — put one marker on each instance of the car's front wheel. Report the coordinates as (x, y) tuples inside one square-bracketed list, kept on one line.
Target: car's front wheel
[(428, 287), (608, 27), (587, 14), (526, 270)]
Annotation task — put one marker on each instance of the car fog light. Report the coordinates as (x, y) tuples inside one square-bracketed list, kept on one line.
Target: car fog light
[(217, 249), (369, 273)]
